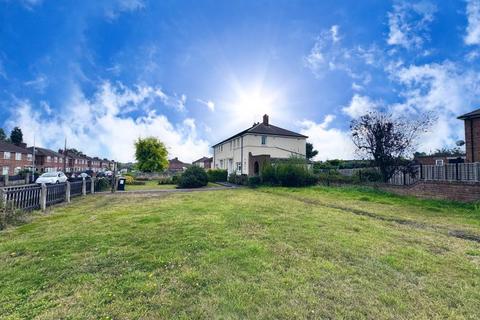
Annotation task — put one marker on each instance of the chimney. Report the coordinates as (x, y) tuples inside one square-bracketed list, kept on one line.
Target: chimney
[(265, 119)]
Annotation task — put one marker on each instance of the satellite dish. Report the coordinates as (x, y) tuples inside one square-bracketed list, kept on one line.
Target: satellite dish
[(460, 143)]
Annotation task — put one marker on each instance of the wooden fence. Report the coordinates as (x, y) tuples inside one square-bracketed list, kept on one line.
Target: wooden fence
[(33, 196), (460, 172)]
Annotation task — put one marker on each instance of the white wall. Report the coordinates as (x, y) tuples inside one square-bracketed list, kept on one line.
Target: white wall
[(229, 154)]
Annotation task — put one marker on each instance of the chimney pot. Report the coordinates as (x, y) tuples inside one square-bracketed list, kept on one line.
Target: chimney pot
[(265, 119)]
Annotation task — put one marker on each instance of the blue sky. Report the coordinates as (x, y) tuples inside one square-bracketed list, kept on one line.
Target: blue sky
[(103, 73)]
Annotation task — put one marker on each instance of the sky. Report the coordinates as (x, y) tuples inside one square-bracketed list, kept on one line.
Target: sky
[(102, 74)]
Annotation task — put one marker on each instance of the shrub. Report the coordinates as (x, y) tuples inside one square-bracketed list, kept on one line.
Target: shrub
[(254, 182), (193, 177), (137, 183), (217, 175), (166, 180), (238, 179), (102, 184), (291, 173), (129, 180), (369, 175)]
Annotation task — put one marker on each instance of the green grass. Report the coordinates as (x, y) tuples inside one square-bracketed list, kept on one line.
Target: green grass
[(259, 254), (153, 185)]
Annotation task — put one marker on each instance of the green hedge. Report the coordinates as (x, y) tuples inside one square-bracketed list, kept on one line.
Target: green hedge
[(291, 173), (193, 177), (238, 179), (217, 175)]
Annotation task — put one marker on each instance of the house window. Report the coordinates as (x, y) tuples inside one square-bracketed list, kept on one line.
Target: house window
[(439, 162), (49, 159), (18, 156), (6, 155), (221, 164), (239, 166), (264, 140), (4, 170), (29, 157), (55, 159)]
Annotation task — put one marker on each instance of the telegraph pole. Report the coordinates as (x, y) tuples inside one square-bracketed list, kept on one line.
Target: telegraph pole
[(65, 157), (33, 159)]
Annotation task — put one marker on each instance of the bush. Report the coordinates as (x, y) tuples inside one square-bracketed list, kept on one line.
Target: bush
[(129, 180), (254, 182), (238, 179), (102, 184), (217, 175), (137, 183), (291, 173), (369, 175), (166, 180), (193, 177)]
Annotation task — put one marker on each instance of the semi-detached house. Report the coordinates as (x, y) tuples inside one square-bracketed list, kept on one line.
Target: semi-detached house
[(249, 150), (14, 158)]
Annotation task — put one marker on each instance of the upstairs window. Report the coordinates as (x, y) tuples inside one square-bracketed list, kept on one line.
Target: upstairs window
[(29, 157), (6, 155), (49, 158), (18, 156), (264, 140), (439, 162)]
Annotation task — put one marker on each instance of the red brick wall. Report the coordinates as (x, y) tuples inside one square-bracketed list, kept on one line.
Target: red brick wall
[(472, 146), (12, 163), (466, 192)]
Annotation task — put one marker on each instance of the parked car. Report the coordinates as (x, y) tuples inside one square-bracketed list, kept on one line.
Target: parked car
[(52, 178), (84, 175)]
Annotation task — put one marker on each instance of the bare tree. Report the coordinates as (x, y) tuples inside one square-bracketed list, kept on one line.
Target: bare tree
[(387, 139)]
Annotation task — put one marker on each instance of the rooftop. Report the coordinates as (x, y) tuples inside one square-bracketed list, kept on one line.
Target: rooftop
[(265, 128), (10, 147), (470, 115)]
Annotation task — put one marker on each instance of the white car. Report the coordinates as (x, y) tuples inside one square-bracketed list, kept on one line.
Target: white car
[(52, 178)]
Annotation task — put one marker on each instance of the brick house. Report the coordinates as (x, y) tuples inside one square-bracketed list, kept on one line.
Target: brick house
[(176, 165), (14, 158), (204, 162), (472, 135), (106, 164), (94, 164), (438, 160), (47, 160)]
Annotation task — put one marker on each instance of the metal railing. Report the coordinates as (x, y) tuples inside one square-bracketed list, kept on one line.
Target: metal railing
[(25, 197), (76, 188), (56, 193)]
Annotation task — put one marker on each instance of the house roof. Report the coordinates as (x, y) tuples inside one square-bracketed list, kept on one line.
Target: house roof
[(176, 164), (267, 129), (470, 115), (45, 152), (10, 147), (203, 159)]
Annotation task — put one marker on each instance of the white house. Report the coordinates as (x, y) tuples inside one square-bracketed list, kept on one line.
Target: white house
[(247, 151)]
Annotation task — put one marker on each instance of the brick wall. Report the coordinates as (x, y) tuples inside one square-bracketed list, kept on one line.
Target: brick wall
[(465, 192), (472, 139), (12, 163)]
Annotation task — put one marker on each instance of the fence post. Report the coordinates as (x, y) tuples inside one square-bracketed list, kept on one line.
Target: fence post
[(67, 192), (92, 185), (5, 180), (43, 197), (84, 187)]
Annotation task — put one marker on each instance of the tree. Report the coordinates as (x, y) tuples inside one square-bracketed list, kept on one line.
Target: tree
[(151, 155), (3, 136), (387, 139), (310, 151), (16, 136)]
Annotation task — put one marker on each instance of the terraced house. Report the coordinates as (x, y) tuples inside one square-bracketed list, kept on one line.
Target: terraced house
[(249, 150), (47, 160), (14, 158)]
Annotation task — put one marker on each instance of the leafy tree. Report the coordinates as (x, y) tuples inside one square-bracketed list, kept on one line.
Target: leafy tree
[(151, 155), (16, 136), (3, 136), (311, 152), (387, 139)]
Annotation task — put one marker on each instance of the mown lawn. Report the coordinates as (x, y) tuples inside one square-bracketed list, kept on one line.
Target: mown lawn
[(258, 254), (153, 185)]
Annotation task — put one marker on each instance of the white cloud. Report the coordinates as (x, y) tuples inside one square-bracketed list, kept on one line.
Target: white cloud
[(444, 90), (100, 126), (40, 83), (331, 143), (334, 31), (360, 105), (121, 6), (473, 28), (409, 23), (209, 104)]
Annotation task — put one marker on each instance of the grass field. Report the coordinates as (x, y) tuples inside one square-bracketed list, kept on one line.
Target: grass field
[(153, 185), (258, 254)]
